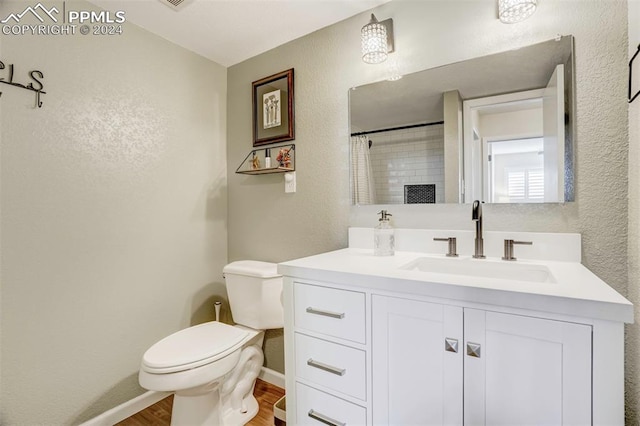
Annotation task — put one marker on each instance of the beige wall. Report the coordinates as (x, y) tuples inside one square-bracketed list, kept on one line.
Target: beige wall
[(265, 223), (633, 332), (113, 214)]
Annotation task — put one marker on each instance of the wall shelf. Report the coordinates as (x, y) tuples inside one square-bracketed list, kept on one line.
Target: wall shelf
[(282, 160), (268, 171)]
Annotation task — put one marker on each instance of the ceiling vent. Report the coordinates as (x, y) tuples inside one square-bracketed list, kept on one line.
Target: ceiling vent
[(175, 4)]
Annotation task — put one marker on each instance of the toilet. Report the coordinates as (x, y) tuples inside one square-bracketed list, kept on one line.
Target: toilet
[(212, 367)]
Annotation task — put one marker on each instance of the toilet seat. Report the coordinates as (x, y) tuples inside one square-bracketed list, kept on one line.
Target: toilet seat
[(193, 347)]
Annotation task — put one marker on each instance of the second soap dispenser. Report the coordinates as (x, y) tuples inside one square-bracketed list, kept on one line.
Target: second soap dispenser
[(383, 236)]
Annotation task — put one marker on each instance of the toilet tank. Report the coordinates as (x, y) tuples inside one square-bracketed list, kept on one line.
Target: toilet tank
[(255, 294)]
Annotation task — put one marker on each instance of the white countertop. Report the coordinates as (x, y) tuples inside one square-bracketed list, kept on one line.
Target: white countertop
[(576, 292)]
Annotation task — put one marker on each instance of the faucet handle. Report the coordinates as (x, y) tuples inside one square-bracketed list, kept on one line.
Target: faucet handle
[(508, 248), (452, 245)]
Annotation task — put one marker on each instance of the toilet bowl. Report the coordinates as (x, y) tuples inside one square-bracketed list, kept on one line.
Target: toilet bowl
[(212, 367)]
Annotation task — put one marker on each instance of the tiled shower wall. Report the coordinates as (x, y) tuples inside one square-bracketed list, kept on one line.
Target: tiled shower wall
[(407, 157)]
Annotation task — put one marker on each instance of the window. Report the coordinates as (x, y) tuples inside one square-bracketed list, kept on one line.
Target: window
[(515, 171), (525, 185)]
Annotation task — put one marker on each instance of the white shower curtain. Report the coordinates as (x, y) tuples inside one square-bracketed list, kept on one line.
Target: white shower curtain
[(363, 189)]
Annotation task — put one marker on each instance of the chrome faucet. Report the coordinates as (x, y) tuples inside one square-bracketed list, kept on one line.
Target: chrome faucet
[(476, 216)]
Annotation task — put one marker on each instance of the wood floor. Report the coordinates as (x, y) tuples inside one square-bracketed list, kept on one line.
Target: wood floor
[(159, 414)]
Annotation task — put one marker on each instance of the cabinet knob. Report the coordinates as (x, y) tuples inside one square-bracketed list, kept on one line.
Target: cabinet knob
[(451, 345), (473, 350)]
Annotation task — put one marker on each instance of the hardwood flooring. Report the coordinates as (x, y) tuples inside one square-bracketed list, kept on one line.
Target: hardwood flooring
[(159, 414)]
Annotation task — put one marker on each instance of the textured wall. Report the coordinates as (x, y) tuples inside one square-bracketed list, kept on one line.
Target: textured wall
[(113, 214), (265, 223), (632, 366)]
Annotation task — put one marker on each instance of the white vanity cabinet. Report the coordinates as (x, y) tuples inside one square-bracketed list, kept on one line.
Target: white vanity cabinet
[(368, 342), (436, 364)]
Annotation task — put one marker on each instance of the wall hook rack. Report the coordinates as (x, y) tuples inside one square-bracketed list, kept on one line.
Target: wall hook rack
[(35, 76), (633, 97), (28, 87)]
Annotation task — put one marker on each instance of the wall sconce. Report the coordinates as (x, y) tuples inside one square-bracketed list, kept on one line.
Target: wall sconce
[(512, 11), (377, 40)]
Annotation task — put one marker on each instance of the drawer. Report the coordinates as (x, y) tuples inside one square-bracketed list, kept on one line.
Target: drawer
[(331, 365), (338, 313), (318, 408)]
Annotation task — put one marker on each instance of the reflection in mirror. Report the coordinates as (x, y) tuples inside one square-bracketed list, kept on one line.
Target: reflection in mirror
[(497, 128)]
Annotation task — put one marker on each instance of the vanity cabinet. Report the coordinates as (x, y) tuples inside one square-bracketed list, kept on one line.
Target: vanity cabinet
[(370, 342), (377, 357), (439, 364)]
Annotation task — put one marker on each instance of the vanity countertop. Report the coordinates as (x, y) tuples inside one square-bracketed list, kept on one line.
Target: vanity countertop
[(576, 290)]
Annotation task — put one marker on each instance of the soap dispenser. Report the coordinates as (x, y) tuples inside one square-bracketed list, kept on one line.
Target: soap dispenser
[(383, 236)]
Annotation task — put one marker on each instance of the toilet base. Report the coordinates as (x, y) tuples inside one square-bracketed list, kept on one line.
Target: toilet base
[(228, 401), (197, 407), (207, 409), (238, 418)]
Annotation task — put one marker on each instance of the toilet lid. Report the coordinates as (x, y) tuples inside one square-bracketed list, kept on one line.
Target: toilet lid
[(193, 347), (252, 268)]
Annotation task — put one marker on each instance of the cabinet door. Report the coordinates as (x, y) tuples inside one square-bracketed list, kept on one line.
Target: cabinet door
[(417, 376), (525, 371)]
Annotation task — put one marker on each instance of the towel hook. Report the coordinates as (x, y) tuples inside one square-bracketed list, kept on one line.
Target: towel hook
[(632, 98)]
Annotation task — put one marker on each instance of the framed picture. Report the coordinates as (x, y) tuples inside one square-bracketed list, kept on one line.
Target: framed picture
[(273, 109)]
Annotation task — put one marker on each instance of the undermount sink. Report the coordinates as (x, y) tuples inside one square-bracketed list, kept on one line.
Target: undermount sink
[(482, 268)]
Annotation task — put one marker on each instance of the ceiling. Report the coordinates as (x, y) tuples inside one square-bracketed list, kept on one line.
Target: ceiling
[(230, 31)]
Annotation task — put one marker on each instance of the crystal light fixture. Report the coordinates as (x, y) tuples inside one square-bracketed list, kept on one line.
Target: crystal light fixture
[(512, 11), (375, 37)]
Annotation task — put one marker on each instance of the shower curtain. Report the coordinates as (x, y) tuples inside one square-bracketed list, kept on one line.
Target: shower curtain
[(363, 188)]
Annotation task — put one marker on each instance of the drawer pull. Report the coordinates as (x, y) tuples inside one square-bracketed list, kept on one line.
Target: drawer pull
[(324, 419), (338, 315), (331, 369)]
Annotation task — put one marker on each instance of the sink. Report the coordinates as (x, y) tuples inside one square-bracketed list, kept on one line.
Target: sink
[(482, 268)]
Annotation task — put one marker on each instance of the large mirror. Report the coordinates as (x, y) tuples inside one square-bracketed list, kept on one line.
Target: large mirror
[(498, 128)]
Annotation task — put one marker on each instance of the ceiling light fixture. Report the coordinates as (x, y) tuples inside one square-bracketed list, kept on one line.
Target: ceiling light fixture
[(512, 11), (377, 40)]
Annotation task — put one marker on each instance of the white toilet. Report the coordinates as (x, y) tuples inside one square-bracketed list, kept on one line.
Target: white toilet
[(212, 367)]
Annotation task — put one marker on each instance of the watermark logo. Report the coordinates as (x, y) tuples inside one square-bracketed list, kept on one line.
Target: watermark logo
[(57, 20), (33, 11)]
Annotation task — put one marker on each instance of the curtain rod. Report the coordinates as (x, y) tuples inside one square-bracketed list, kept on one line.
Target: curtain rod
[(411, 126)]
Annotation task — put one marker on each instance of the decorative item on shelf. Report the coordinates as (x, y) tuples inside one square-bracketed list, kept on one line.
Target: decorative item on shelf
[(377, 40), (255, 161), (273, 110), (632, 96), (252, 164), (284, 158), (512, 11), (267, 158)]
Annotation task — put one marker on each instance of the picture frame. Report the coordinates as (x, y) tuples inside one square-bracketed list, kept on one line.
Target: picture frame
[(273, 109)]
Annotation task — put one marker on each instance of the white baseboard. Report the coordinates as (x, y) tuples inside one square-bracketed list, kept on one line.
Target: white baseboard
[(127, 409), (272, 376), (135, 405)]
